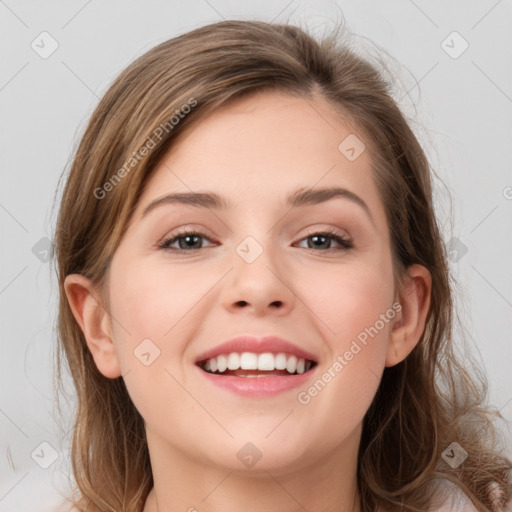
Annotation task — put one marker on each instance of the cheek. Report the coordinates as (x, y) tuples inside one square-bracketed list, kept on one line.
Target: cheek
[(355, 314), (156, 304), (348, 299), (154, 317)]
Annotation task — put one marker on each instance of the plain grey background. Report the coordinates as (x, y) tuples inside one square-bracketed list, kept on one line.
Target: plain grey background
[(454, 61)]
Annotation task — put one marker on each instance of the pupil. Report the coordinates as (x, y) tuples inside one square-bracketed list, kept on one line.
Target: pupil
[(316, 237), (187, 239)]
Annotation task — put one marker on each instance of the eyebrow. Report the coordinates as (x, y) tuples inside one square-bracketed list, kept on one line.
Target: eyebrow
[(299, 198)]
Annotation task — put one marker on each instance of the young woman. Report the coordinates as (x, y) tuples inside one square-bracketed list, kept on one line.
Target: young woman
[(255, 304)]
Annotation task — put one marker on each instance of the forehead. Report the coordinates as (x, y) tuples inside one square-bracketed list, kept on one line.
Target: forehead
[(267, 145)]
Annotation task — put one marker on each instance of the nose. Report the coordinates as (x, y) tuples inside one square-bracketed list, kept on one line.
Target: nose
[(260, 286)]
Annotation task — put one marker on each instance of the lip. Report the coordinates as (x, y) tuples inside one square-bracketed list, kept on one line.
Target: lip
[(257, 386), (257, 345)]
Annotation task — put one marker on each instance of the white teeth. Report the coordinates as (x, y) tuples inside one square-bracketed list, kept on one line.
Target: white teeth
[(265, 362), (222, 363), (291, 364), (233, 361), (280, 361), (249, 361)]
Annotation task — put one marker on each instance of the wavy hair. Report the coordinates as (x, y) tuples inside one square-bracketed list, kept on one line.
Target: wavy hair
[(422, 405)]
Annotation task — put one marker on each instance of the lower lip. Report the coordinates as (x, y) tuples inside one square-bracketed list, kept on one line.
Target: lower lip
[(258, 386)]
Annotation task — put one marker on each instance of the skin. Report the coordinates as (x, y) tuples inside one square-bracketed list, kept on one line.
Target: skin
[(254, 152)]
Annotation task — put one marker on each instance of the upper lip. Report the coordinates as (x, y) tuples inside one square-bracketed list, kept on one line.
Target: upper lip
[(257, 345)]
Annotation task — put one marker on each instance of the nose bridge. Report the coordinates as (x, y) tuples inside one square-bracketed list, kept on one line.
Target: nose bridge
[(257, 257), (258, 278), (256, 238)]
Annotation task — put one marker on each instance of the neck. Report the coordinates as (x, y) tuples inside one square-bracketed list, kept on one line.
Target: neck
[(324, 483)]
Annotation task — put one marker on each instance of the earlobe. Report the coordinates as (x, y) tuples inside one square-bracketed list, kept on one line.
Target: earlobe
[(408, 328), (95, 323)]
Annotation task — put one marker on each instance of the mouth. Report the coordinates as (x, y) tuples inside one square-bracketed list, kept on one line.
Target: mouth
[(256, 365)]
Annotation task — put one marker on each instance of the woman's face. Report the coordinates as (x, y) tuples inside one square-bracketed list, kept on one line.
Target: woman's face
[(255, 267)]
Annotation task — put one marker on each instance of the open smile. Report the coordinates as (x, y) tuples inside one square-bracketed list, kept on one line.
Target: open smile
[(251, 374)]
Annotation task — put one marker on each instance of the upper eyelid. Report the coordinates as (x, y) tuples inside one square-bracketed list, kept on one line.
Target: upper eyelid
[(329, 232), (310, 231)]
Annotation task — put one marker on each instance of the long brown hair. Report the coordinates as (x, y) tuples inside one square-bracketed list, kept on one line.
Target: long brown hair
[(423, 404)]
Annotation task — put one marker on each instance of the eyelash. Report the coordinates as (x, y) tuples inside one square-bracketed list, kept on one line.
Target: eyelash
[(344, 243)]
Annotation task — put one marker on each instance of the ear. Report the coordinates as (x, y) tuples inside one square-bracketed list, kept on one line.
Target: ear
[(95, 323), (414, 297)]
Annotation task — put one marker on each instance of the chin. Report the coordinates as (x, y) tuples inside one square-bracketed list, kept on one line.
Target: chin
[(256, 454)]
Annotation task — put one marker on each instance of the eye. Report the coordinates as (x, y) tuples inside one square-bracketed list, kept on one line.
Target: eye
[(187, 241), (323, 238)]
